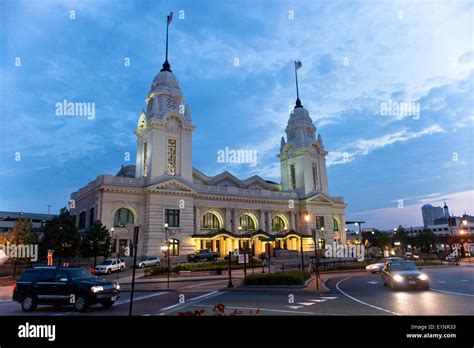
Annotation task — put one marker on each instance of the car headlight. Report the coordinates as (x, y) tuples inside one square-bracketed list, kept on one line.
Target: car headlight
[(117, 286), (423, 276), (397, 278), (97, 289)]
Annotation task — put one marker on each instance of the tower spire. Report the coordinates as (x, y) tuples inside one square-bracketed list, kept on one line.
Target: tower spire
[(166, 65), (298, 101)]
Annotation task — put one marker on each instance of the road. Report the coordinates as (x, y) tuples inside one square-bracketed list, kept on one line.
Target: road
[(351, 293)]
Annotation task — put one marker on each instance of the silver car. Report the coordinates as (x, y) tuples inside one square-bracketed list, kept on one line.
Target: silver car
[(149, 261), (377, 266)]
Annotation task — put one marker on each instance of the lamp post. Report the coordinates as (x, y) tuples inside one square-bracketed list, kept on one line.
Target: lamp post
[(245, 254), (306, 218), (168, 253)]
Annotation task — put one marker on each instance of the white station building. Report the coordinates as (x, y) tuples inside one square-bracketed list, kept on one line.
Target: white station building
[(220, 212)]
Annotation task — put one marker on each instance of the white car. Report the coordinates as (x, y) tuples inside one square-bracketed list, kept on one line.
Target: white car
[(110, 265), (377, 266)]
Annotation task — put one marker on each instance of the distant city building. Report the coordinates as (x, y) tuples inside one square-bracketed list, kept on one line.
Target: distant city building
[(8, 219), (432, 214)]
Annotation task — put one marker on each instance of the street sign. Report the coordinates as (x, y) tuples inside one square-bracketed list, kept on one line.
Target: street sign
[(241, 258)]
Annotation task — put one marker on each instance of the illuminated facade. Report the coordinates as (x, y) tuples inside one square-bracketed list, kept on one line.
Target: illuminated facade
[(219, 212)]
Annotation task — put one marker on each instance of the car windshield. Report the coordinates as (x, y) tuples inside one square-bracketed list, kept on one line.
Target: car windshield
[(108, 262), (403, 266), (80, 274)]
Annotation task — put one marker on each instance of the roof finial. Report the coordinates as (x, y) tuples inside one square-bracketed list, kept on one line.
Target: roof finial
[(166, 65), (298, 101)]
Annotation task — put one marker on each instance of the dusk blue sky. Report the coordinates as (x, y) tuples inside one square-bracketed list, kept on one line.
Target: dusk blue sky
[(403, 51)]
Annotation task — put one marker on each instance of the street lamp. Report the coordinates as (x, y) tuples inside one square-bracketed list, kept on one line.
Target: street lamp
[(245, 254), (167, 249)]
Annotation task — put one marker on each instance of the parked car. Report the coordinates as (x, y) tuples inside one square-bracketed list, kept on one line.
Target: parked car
[(376, 267), (149, 261), (52, 285), (410, 255), (203, 255), (110, 265), (403, 274)]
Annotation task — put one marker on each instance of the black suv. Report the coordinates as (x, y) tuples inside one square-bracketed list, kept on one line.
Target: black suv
[(62, 286)]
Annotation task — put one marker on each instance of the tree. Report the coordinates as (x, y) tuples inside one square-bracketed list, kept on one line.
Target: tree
[(61, 235), (425, 239), (402, 237), (96, 241), (383, 240), (21, 234)]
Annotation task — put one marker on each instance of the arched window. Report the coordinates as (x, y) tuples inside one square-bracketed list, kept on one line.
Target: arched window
[(246, 222), (123, 216), (335, 224), (210, 221), (82, 220), (278, 224), (92, 217)]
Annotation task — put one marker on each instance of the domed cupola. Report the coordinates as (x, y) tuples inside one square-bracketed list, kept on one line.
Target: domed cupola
[(300, 130), (165, 95)]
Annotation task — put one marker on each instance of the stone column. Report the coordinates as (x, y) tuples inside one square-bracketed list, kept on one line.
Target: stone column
[(292, 222), (228, 217), (262, 220), (235, 219), (197, 219)]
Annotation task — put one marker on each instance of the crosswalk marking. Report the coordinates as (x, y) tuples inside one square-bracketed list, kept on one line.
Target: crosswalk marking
[(329, 297), (306, 303), (323, 300), (373, 282)]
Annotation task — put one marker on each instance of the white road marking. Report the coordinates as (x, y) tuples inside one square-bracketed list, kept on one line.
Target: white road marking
[(193, 300), (362, 302), (452, 292), (464, 280), (141, 298), (318, 300), (294, 307), (329, 297), (306, 303), (373, 282), (441, 282)]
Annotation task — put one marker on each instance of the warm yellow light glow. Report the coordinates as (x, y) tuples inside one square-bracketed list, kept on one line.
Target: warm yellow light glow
[(464, 222), (306, 217)]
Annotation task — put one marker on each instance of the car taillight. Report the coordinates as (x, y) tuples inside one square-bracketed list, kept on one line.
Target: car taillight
[(14, 287)]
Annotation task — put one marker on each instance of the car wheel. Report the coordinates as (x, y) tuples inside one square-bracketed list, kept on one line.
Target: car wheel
[(29, 303), (122, 268), (142, 265), (109, 271), (81, 304), (373, 272), (393, 286), (425, 287), (107, 304), (157, 264)]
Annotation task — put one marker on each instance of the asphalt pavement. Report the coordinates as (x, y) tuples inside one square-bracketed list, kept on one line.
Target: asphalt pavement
[(350, 293)]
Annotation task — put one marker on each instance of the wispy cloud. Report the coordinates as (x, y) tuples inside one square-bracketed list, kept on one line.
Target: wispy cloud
[(362, 147)]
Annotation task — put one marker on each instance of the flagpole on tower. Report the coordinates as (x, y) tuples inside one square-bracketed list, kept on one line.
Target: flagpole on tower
[(298, 101), (166, 65)]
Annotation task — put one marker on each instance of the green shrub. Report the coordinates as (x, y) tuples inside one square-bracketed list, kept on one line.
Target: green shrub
[(156, 270), (278, 278), (212, 266)]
